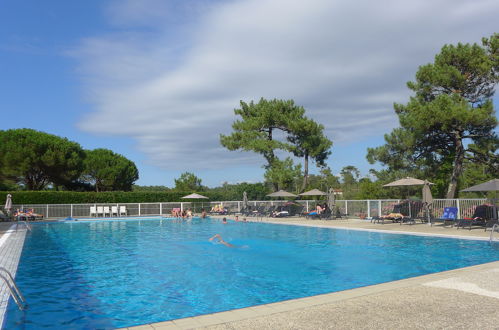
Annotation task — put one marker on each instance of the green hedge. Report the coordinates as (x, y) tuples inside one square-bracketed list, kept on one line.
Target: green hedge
[(70, 197)]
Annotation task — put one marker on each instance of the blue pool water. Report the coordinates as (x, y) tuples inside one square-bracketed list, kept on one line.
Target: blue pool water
[(108, 274)]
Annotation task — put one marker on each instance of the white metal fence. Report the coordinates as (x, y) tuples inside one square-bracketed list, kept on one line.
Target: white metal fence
[(351, 208)]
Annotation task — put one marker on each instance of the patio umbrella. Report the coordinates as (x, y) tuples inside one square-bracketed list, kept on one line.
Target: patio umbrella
[(8, 203), (331, 199), (313, 192), (408, 181), (427, 199), (245, 200), (492, 185), (281, 193), (195, 196)]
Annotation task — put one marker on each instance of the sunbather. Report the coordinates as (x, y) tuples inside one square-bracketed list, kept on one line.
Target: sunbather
[(318, 210)]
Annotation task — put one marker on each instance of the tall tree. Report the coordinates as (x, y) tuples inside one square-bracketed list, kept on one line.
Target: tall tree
[(258, 126), (350, 174), (188, 182), (261, 122), (451, 111), (109, 171), (309, 141), (36, 159)]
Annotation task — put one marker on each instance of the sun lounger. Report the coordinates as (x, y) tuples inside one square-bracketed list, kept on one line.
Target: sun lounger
[(93, 211), (259, 212), (107, 212), (482, 215), (448, 217), (4, 217), (114, 211)]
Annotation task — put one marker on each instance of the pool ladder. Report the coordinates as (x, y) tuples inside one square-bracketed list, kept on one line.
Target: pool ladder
[(13, 289), (28, 227), (495, 228)]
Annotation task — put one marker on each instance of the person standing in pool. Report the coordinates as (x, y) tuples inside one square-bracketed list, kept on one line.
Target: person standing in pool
[(224, 221), (203, 213)]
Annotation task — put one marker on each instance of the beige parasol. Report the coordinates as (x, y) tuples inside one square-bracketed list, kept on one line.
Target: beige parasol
[(8, 203), (313, 192), (408, 181), (427, 200), (195, 196), (281, 193)]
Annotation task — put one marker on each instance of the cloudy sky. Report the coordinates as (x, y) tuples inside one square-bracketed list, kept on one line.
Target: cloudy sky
[(157, 80)]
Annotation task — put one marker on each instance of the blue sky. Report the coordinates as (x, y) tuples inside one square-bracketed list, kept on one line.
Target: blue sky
[(157, 81)]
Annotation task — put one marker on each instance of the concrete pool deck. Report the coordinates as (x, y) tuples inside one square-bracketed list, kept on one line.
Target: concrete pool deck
[(458, 299)]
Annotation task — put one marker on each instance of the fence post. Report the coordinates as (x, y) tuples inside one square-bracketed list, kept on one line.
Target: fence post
[(181, 206), (307, 206), (47, 211), (379, 208), (346, 207), (160, 208), (139, 208), (71, 211), (458, 209), (368, 208)]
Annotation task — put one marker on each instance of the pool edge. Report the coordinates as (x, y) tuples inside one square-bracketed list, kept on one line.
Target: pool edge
[(236, 315), (11, 246)]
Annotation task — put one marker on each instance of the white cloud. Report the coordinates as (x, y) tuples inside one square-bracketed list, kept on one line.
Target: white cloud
[(173, 86)]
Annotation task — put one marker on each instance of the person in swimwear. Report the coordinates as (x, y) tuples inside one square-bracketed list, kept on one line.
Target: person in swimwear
[(221, 241)]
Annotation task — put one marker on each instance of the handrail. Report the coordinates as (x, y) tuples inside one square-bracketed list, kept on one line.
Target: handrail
[(25, 223), (494, 228), (13, 289)]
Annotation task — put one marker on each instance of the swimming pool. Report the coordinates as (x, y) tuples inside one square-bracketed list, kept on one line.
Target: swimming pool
[(108, 274)]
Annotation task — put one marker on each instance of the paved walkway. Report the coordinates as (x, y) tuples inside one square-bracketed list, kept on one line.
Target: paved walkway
[(459, 299), (418, 228), (11, 242)]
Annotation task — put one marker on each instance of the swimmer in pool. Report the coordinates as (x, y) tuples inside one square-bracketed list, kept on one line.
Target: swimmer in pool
[(221, 241)]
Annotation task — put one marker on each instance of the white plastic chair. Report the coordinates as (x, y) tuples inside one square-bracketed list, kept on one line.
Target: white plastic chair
[(93, 211), (114, 211), (107, 211), (122, 210)]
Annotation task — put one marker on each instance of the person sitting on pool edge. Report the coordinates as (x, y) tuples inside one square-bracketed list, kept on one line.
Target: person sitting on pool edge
[(220, 240)]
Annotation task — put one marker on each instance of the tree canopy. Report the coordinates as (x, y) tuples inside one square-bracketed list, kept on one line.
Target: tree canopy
[(261, 122), (108, 171), (450, 118), (36, 159), (188, 182), (308, 140)]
